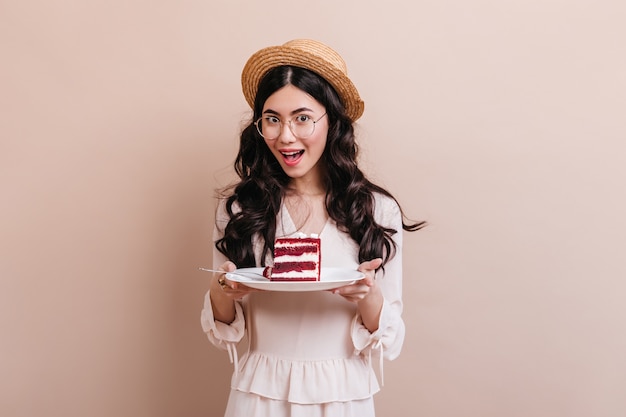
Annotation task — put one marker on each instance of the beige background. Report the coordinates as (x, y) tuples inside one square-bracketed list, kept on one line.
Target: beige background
[(501, 123)]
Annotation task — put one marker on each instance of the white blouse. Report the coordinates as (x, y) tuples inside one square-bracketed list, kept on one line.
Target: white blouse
[(312, 347)]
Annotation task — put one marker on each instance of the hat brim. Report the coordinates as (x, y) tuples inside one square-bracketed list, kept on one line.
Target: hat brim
[(274, 56)]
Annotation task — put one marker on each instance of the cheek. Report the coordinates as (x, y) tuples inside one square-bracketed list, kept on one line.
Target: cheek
[(319, 140), (317, 146)]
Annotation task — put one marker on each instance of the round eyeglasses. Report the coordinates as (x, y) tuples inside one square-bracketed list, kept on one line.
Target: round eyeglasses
[(302, 126)]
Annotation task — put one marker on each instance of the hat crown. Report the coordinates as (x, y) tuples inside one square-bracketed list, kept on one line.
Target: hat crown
[(320, 50), (310, 55)]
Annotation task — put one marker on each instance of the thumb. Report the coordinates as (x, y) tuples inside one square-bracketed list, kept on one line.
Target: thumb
[(375, 263), (370, 265), (228, 266)]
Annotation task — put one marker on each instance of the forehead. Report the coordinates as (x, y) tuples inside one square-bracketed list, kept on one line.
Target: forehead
[(289, 99)]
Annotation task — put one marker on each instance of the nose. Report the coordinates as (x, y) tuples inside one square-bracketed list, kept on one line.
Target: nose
[(286, 135)]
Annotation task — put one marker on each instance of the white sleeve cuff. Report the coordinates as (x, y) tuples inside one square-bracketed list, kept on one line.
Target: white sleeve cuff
[(221, 333)]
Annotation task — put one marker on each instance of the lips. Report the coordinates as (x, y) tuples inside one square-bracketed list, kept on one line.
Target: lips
[(292, 157)]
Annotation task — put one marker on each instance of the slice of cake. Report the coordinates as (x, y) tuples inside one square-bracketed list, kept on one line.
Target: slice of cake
[(296, 259)]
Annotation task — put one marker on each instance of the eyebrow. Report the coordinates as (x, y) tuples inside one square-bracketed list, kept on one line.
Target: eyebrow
[(296, 111)]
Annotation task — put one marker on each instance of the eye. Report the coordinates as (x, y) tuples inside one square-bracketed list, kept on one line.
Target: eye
[(302, 118), (271, 120)]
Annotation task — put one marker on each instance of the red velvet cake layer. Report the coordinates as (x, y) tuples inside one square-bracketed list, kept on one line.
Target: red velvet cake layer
[(296, 259)]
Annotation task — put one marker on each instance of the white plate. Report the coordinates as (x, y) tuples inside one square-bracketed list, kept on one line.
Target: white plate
[(329, 279)]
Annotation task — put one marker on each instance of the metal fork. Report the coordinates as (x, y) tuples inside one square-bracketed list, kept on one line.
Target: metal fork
[(245, 274)]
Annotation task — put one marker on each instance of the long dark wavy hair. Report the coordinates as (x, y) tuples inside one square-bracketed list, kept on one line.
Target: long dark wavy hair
[(254, 202)]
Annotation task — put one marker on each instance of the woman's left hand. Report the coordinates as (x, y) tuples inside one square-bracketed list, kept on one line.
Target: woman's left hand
[(364, 287)]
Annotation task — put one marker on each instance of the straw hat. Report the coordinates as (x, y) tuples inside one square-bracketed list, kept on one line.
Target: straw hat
[(304, 53)]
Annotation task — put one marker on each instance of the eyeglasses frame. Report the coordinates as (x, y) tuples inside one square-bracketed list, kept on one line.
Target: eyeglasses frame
[(282, 124)]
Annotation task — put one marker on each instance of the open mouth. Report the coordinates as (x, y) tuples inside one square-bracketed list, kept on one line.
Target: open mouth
[(292, 157)]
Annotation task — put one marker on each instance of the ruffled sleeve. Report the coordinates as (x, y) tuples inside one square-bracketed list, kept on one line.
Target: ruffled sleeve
[(223, 336), (387, 340)]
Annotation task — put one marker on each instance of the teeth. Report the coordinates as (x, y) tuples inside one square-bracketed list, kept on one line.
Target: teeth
[(291, 153)]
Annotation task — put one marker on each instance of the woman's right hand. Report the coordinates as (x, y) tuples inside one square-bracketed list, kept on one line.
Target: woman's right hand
[(226, 288), (224, 292)]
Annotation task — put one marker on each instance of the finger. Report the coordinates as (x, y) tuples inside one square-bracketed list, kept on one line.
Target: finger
[(367, 281), (353, 289), (354, 297), (228, 266), (222, 282), (376, 263), (370, 265)]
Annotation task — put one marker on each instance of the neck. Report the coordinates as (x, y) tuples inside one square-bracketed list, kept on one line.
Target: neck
[(302, 187)]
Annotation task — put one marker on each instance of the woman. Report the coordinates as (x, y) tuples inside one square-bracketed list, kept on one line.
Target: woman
[(308, 353)]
